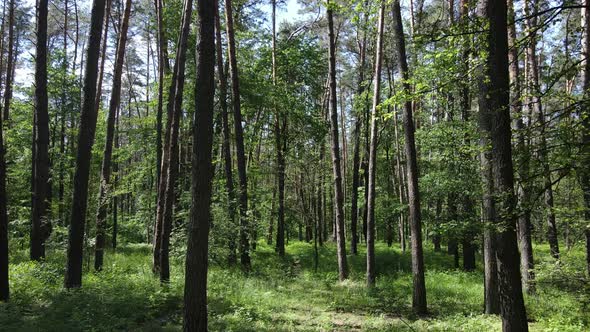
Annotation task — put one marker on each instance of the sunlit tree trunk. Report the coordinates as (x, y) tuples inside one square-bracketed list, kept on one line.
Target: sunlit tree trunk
[(419, 289), (105, 174)]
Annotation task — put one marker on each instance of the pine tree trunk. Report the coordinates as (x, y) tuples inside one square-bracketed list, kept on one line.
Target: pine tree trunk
[(536, 110), (41, 225), (105, 173), (494, 106), (583, 167), (73, 277), (4, 285), (226, 150), (239, 133), (174, 102), (524, 228), (195, 287), (419, 294), (336, 168), (163, 71), (373, 153)]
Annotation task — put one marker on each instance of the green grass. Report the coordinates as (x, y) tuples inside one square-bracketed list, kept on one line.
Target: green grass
[(284, 295)]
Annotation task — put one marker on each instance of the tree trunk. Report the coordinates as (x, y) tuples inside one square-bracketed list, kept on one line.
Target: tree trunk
[(524, 220), (10, 60), (41, 224), (419, 294), (536, 109), (494, 106), (163, 71), (73, 277), (337, 170), (195, 286), (105, 173), (174, 103), (373, 153), (239, 133), (226, 150), (585, 116), (4, 285)]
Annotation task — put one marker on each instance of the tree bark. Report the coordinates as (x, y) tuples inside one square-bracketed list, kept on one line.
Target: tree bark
[(524, 228), (226, 150), (494, 105), (105, 173), (585, 116), (336, 168), (195, 287), (73, 277), (239, 133), (373, 152), (41, 225), (419, 294), (4, 285), (175, 102), (163, 71)]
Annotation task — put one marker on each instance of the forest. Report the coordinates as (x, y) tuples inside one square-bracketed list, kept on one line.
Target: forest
[(295, 165)]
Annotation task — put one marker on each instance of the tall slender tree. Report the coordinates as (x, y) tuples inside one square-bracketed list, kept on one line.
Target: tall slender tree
[(524, 228), (4, 285), (494, 102), (10, 58), (195, 287), (373, 151), (585, 139), (105, 173), (73, 277), (335, 141), (239, 134), (175, 100), (419, 294), (41, 225)]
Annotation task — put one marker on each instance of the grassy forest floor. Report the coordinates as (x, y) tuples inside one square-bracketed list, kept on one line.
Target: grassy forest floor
[(285, 295)]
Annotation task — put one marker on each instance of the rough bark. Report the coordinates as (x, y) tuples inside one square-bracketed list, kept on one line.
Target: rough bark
[(195, 286), (105, 173), (73, 277), (41, 225), (419, 289), (373, 153), (494, 103), (244, 247), (336, 168)]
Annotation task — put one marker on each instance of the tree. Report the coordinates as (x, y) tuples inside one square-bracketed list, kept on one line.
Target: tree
[(4, 285), (41, 225), (73, 277), (419, 290), (105, 174), (174, 102), (10, 58), (373, 152), (195, 287), (536, 110), (336, 168), (585, 172), (524, 190), (239, 133), (494, 104)]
